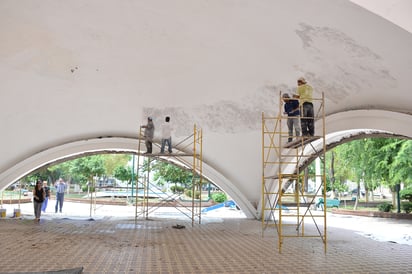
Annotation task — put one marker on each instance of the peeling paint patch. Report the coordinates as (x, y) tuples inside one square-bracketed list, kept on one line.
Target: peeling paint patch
[(225, 116), (347, 68)]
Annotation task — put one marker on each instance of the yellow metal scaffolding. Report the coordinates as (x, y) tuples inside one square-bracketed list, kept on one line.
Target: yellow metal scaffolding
[(179, 157), (287, 206)]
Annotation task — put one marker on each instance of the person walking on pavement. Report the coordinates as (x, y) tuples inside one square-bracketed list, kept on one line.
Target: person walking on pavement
[(307, 115), (60, 189), (166, 135), (38, 198), (148, 135), (46, 199)]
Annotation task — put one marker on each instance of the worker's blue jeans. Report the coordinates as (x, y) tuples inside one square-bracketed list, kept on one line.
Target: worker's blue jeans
[(307, 119), (167, 141)]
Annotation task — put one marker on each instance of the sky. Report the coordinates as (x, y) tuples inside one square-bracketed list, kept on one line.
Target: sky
[(397, 11)]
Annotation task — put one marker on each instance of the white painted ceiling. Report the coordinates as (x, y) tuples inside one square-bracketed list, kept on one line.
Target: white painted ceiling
[(74, 71), (395, 11)]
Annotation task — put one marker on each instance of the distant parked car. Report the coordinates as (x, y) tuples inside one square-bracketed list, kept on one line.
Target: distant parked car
[(355, 192), (379, 194), (24, 192), (14, 186)]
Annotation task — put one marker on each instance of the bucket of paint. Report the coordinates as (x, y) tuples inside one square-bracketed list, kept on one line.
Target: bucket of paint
[(17, 213), (2, 213)]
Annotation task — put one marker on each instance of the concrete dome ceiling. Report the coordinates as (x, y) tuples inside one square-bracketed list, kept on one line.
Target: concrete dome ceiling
[(83, 75)]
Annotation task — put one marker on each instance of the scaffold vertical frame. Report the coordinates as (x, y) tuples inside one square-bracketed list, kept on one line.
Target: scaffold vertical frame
[(191, 147), (284, 166)]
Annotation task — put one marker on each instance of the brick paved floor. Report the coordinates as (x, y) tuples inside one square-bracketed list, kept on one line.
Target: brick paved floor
[(218, 245)]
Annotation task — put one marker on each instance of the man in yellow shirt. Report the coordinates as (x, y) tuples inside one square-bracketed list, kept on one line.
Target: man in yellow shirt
[(307, 114)]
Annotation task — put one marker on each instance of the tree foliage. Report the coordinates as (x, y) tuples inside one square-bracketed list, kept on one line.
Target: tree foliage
[(82, 170), (401, 167), (123, 173), (86, 168), (166, 172), (373, 161), (113, 161)]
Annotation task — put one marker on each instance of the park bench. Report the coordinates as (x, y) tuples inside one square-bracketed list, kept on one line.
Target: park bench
[(329, 203)]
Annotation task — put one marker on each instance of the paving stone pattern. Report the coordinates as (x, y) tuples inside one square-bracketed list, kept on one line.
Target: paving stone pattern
[(123, 245)]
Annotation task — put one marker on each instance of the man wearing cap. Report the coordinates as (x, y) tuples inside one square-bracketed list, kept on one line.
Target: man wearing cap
[(148, 134), (291, 108), (307, 115)]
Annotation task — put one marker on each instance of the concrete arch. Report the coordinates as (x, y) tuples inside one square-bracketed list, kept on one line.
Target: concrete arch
[(64, 152), (368, 122), (81, 148), (372, 119), (351, 125), (76, 71)]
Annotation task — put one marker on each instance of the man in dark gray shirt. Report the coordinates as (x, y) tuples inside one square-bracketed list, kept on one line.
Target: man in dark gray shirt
[(148, 134)]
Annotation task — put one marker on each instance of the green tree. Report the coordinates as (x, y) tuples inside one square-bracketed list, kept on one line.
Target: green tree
[(335, 179), (341, 170), (166, 172), (61, 170), (383, 163), (123, 173), (375, 162), (48, 173), (86, 168), (401, 166), (113, 161), (353, 157)]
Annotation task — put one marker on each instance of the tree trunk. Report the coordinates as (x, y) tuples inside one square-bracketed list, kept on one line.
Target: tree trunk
[(357, 197), (394, 194), (332, 174)]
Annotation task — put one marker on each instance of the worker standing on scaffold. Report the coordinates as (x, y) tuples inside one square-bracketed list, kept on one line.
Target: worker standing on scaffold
[(148, 135), (307, 114), (291, 108)]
